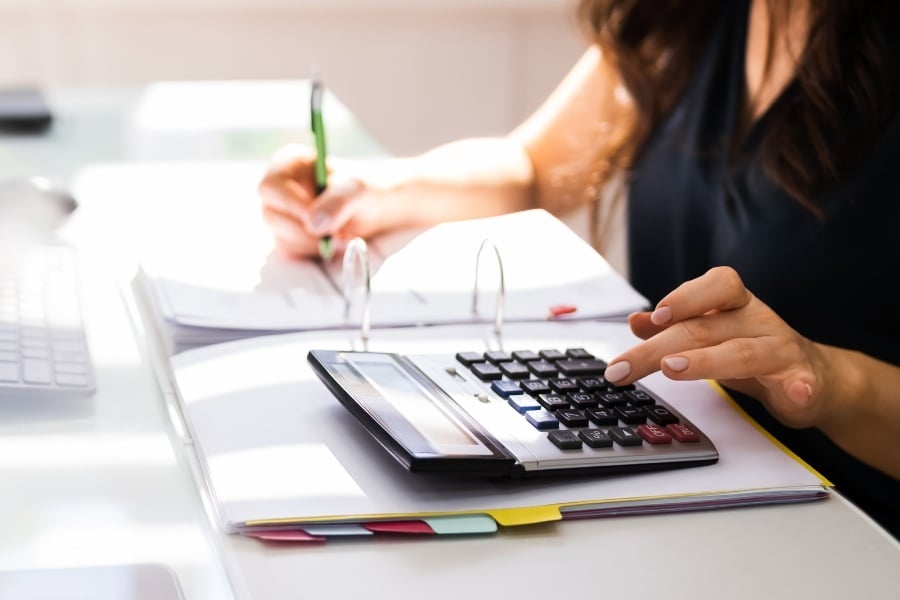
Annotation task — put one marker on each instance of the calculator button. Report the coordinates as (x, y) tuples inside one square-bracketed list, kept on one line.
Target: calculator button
[(631, 414), (579, 366), (602, 416), (515, 370), (505, 388), (542, 419), (613, 398), (564, 439), (578, 353), (497, 356), (563, 385), (639, 397), (683, 433), (535, 386), (542, 368), (592, 384), (525, 355), (620, 388), (553, 401), (523, 404), (469, 358), (485, 371), (571, 417), (625, 436), (595, 438), (582, 399), (551, 355), (661, 415), (654, 434)]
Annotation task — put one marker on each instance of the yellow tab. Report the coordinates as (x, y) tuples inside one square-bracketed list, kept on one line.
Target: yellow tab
[(509, 517)]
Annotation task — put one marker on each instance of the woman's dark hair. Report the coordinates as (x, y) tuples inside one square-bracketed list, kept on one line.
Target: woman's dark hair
[(848, 79)]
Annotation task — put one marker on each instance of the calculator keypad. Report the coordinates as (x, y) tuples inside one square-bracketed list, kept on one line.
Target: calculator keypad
[(565, 394)]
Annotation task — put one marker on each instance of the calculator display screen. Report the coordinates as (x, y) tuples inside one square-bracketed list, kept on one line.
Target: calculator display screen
[(415, 404)]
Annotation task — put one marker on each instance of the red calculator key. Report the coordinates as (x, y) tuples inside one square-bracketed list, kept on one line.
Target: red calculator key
[(683, 433), (654, 434)]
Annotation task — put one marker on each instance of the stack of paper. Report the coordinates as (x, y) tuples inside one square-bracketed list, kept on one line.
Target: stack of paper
[(280, 458), (428, 281)]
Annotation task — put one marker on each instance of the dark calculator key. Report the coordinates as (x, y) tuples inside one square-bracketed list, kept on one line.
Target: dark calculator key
[(602, 416), (595, 438), (515, 370), (542, 368), (578, 353), (620, 388), (505, 388), (581, 366), (551, 355), (542, 419), (592, 384), (582, 399), (563, 384), (553, 401), (654, 434), (613, 398), (535, 386), (470, 358), (571, 417), (525, 355), (639, 397), (625, 436), (661, 415), (683, 433), (523, 404), (497, 356), (564, 439), (485, 371), (631, 414)]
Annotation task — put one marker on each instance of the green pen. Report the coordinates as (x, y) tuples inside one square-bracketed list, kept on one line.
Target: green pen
[(326, 249)]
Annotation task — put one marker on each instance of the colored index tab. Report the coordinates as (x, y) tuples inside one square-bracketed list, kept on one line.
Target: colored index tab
[(462, 524)]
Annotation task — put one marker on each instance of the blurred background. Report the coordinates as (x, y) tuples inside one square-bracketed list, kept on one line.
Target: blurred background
[(415, 72)]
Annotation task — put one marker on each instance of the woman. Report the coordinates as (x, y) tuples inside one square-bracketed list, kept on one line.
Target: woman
[(759, 139)]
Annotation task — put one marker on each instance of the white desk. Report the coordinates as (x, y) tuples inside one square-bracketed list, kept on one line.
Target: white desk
[(107, 480)]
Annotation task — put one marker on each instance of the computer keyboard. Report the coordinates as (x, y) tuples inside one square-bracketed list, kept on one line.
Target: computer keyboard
[(43, 347)]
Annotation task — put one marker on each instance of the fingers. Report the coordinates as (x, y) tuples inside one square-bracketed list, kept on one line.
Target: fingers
[(719, 289)]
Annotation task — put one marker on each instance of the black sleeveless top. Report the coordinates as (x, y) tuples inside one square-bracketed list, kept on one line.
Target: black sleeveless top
[(695, 203)]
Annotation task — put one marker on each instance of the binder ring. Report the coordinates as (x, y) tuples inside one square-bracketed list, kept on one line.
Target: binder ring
[(358, 253), (501, 293)]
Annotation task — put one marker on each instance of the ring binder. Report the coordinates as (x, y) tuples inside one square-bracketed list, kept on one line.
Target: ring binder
[(501, 292), (357, 253)]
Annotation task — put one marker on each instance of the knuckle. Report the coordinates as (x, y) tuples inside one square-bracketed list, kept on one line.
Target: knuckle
[(695, 331), (744, 350)]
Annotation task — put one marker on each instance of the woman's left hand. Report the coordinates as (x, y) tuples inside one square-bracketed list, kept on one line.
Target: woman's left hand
[(713, 327)]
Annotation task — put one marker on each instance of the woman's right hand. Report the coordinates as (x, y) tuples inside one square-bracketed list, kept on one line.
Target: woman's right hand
[(299, 218)]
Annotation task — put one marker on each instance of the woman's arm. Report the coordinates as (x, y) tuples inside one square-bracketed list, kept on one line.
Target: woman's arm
[(547, 162)]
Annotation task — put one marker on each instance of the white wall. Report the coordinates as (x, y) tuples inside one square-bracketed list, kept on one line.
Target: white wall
[(417, 72)]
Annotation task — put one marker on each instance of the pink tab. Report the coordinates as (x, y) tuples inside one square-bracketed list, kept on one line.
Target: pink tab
[(558, 310), (413, 527), (284, 535)]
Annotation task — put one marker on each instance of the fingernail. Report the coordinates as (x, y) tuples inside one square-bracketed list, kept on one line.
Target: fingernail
[(661, 315), (617, 371), (676, 363), (320, 222)]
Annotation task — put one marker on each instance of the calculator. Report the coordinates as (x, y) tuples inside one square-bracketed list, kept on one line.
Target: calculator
[(510, 414)]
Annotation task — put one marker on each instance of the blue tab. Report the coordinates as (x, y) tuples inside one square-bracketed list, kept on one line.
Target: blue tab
[(506, 388), (524, 403)]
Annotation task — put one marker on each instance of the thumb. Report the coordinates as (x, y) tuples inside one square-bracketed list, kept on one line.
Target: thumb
[(333, 207)]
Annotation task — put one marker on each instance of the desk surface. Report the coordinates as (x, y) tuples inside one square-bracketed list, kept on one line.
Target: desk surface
[(107, 480)]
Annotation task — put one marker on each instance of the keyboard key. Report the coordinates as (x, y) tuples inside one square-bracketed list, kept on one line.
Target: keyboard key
[(654, 434), (613, 398), (9, 372), (581, 366), (551, 355), (505, 388), (515, 370), (486, 371), (522, 404), (497, 356), (535, 387), (71, 380), (542, 419), (542, 368), (639, 397), (565, 439), (578, 353), (563, 384), (660, 414), (631, 414), (469, 358), (571, 417), (602, 416), (625, 436), (582, 399), (592, 384), (683, 433), (36, 371), (525, 355), (595, 438), (553, 401)]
